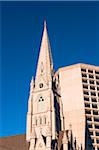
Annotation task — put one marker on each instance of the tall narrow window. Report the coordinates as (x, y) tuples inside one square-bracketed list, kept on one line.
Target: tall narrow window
[(40, 120), (44, 120), (35, 121)]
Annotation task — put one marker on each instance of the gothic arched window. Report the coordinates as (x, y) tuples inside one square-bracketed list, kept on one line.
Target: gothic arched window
[(35, 121), (42, 67), (40, 120), (44, 120)]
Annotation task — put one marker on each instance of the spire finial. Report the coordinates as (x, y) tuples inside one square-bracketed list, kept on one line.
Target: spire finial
[(44, 23)]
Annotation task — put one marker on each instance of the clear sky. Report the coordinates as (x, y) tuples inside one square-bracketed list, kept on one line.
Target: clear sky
[(73, 29)]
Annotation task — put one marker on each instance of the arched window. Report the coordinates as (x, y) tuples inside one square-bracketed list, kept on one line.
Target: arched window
[(44, 120), (35, 121), (40, 120), (42, 67)]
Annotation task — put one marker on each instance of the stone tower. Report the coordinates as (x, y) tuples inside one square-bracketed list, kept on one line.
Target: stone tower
[(43, 109)]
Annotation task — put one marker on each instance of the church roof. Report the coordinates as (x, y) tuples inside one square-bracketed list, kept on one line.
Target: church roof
[(16, 142)]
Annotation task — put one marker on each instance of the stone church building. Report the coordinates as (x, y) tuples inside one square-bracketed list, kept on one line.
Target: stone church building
[(45, 120), (63, 106)]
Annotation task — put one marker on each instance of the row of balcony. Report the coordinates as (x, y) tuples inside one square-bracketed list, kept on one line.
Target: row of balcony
[(90, 71)]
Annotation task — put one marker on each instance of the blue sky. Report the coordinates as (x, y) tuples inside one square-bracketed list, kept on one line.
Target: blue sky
[(73, 29)]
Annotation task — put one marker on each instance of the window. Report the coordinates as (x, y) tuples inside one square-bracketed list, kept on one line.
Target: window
[(40, 120), (96, 126), (90, 71), (93, 99), (97, 133), (85, 86), (89, 125), (41, 99), (88, 111), (91, 82), (84, 75), (91, 133), (86, 98), (86, 93), (42, 67), (97, 72), (97, 77), (41, 85), (92, 141), (36, 121), (94, 105), (92, 87), (97, 83), (87, 105), (97, 88), (95, 112), (82, 69), (84, 80), (44, 120), (93, 94), (89, 118), (96, 119), (97, 140), (91, 76)]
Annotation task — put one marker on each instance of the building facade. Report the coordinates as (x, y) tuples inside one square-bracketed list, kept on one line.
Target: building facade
[(63, 106), (79, 88)]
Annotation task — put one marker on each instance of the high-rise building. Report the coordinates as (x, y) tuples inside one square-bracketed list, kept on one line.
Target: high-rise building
[(63, 106), (79, 90)]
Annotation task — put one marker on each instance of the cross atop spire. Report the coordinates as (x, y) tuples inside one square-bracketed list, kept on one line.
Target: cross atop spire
[(45, 63)]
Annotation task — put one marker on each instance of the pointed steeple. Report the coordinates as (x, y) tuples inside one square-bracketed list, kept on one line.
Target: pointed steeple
[(45, 63)]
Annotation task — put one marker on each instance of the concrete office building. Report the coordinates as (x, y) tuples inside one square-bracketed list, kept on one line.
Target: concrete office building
[(63, 106), (79, 88)]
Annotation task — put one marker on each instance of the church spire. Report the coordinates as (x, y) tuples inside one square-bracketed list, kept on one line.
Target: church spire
[(45, 63)]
